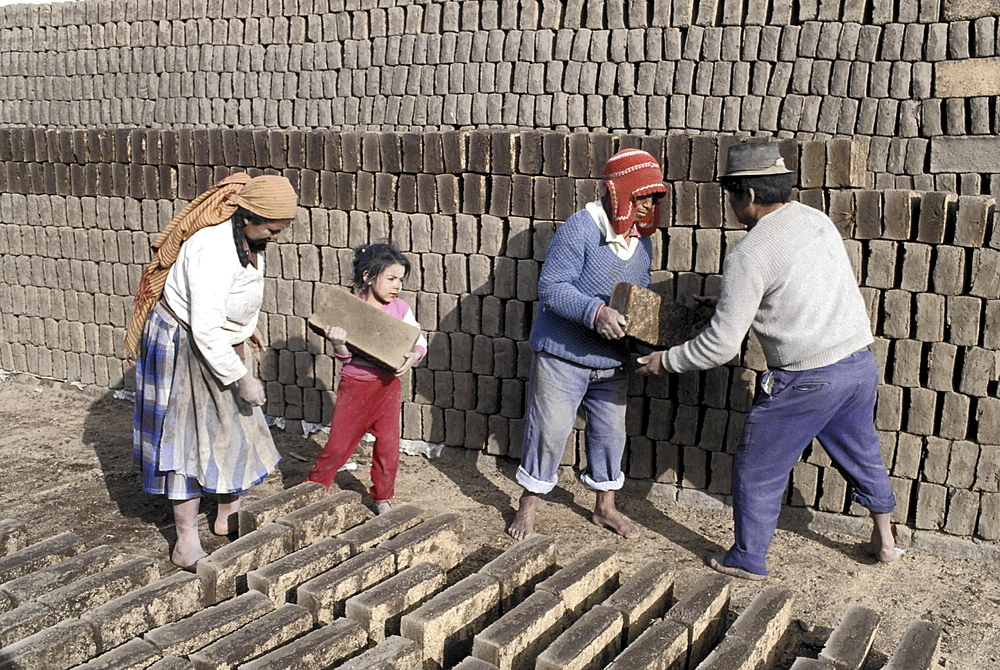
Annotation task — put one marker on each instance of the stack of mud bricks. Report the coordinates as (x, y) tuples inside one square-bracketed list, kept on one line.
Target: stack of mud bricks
[(315, 581), (474, 212), (917, 79)]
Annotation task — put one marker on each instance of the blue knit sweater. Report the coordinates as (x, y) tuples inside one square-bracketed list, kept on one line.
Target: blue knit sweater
[(579, 271)]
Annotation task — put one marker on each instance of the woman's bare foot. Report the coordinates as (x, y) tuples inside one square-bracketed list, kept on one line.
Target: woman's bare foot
[(523, 524), (227, 518), (607, 515), (382, 506), (187, 558)]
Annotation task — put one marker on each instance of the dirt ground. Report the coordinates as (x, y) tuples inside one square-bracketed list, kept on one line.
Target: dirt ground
[(66, 464)]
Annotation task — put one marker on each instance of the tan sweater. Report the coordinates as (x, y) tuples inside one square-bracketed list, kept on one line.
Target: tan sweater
[(791, 281)]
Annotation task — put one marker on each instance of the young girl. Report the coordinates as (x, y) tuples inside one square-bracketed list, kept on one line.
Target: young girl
[(368, 397)]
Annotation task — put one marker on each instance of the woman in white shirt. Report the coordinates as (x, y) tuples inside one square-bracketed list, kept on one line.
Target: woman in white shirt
[(198, 425)]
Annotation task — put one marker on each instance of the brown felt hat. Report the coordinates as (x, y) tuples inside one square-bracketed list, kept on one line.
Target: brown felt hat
[(754, 159)]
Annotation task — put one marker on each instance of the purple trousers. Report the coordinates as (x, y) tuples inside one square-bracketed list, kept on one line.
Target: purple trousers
[(835, 404)]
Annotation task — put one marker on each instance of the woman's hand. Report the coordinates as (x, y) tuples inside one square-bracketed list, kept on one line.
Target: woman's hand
[(408, 362), (256, 342), (251, 390)]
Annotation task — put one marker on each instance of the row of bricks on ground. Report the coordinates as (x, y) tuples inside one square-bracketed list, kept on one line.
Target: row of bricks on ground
[(388, 18), (523, 604), (835, 163), (369, 574), (351, 39)]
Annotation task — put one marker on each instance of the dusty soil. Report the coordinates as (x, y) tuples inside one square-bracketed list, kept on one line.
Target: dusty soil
[(66, 464)]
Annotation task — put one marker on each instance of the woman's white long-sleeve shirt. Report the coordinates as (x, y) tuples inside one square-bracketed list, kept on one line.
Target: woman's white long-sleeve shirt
[(217, 297)]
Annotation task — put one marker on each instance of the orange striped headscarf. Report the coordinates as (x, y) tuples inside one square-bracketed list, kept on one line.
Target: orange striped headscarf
[(268, 196)]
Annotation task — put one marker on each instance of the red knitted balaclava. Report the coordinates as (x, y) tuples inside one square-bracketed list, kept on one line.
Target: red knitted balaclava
[(631, 174)]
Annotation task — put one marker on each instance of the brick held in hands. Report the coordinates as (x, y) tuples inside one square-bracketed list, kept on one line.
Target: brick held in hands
[(370, 331), (650, 317)]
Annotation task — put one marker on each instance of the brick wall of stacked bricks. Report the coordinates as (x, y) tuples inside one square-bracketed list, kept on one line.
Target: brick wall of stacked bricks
[(917, 79), (474, 211)]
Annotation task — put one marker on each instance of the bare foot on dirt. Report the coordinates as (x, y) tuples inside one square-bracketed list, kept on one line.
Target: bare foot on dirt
[(883, 549), (607, 516), (187, 558), (718, 563), (523, 524), (617, 522), (227, 518)]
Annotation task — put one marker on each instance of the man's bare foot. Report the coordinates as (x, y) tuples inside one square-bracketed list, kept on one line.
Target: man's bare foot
[(187, 558), (617, 522), (884, 551), (523, 524), (718, 563), (607, 515)]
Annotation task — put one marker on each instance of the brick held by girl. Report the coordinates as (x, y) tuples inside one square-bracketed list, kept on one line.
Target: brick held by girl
[(368, 397)]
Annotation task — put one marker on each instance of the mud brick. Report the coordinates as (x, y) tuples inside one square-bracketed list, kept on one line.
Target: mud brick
[(935, 210), (133, 654), (516, 638), (880, 268), (758, 635), (954, 416), (521, 567), (438, 540), (918, 649), (663, 646), (64, 645), (963, 320), (328, 517), (445, 625), (587, 580), (224, 571), (45, 580), (593, 639), (936, 460), (977, 370), (372, 332), (39, 555), (922, 411), (931, 503), (897, 319), (988, 526), (24, 621), (260, 512), (949, 270), (13, 536), (395, 653), (143, 609), (963, 510), (326, 594), (899, 213), (379, 609), (254, 639), (813, 164), (702, 610), (985, 273), (642, 597), (851, 640), (650, 317), (971, 219), (205, 627)]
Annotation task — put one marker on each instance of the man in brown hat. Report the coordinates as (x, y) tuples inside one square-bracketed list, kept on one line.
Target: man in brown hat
[(791, 281)]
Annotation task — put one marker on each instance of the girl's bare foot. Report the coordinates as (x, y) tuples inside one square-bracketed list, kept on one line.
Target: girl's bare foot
[(523, 524), (882, 544)]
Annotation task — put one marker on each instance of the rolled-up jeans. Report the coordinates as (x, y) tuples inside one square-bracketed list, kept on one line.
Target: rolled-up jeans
[(556, 390), (834, 403)]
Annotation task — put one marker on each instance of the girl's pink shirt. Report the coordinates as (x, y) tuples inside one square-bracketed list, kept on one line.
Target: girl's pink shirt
[(356, 369)]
